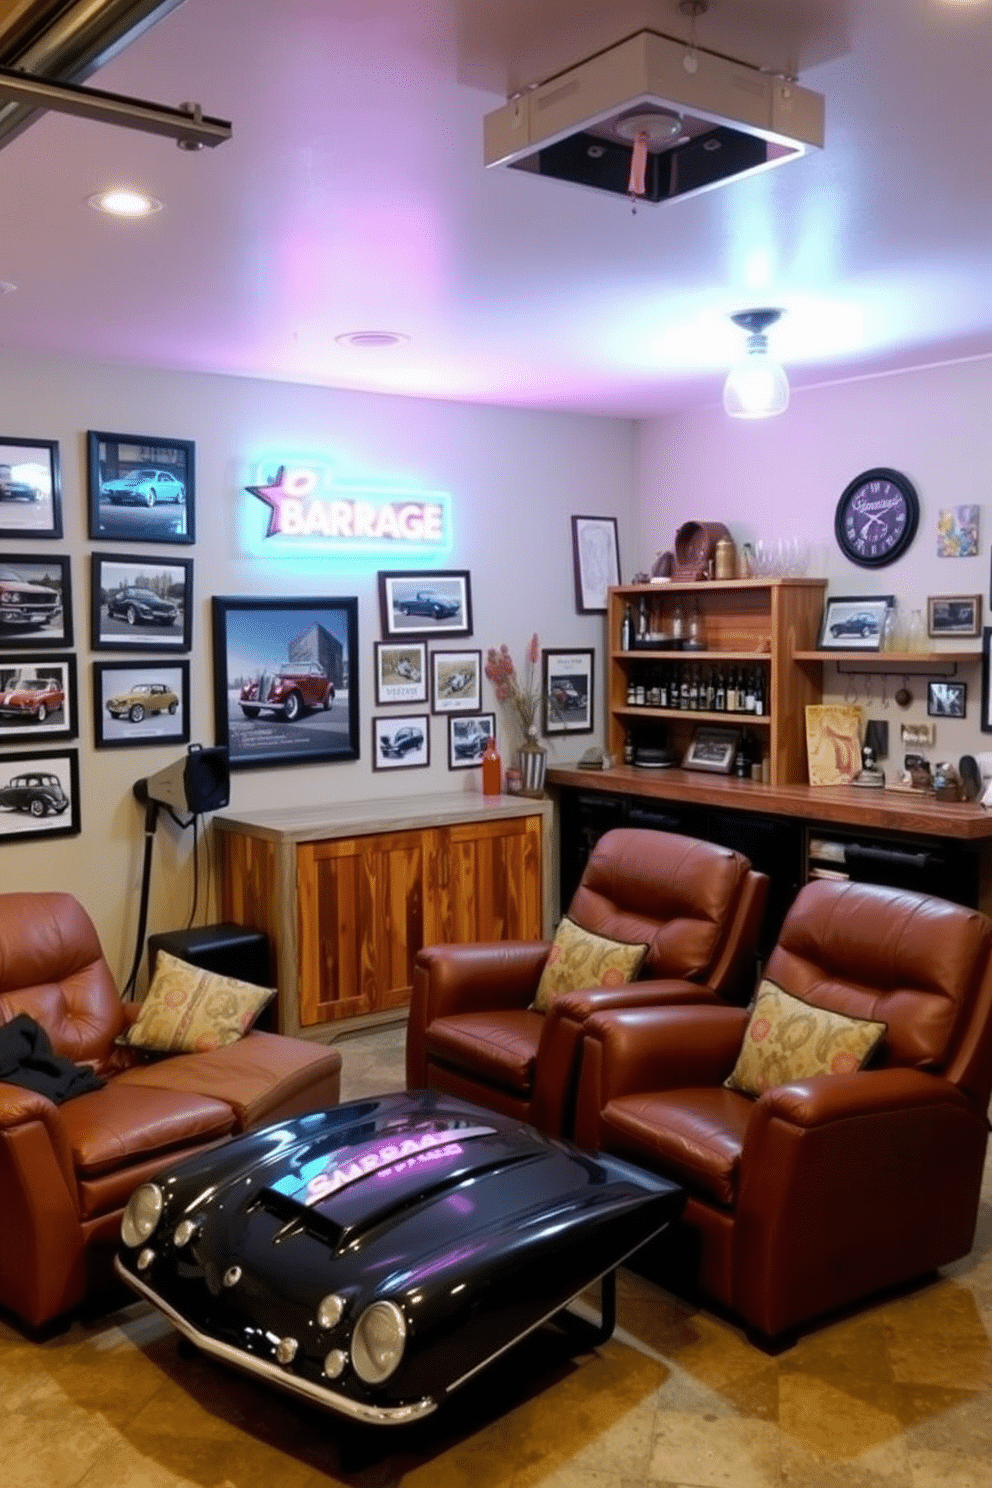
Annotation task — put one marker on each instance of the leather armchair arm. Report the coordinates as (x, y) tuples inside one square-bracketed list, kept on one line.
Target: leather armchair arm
[(670, 992), (22, 1109), (658, 1048), (829, 1098), (462, 978)]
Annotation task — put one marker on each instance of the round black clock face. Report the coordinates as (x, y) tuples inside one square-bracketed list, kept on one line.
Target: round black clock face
[(876, 517)]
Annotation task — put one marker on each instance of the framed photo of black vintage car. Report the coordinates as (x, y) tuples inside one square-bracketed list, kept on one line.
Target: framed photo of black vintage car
[(142, 488), (402, 742), (39, 794), (37, 698), (456, 681), (467, 739), (140, 604), (35, 601), (30, 488), (854, 622), (140, 702), (954, 615), (434, 603), (400, 672), (285, 679), (567, 678), (712, 749)]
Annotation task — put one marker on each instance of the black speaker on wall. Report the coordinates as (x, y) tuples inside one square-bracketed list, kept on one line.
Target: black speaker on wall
[(229, 950)]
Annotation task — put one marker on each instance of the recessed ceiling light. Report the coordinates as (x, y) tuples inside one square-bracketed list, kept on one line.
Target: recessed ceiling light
[(123, 202), (371, 340), (6, 287)]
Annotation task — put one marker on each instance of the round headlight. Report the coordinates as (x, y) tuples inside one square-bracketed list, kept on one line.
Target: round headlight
[(330, 1311), (143, 1212), (378, 1341)]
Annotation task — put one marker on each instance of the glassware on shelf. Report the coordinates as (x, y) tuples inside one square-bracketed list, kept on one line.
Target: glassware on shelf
[(890, 630), (916, 632)]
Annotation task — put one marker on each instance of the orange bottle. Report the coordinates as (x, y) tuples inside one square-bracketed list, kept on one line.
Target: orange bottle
[(492, 770)]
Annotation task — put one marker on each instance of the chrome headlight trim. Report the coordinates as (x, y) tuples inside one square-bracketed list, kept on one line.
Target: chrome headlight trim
[(330, 1311), (143, 1212), (378, 1342)]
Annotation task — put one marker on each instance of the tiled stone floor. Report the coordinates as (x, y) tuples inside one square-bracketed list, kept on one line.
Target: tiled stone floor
[(898, 1396)]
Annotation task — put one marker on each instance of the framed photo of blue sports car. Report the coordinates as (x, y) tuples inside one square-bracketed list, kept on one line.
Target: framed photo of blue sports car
[(435, 603), (30, 488), (141, 488), (140, 604)]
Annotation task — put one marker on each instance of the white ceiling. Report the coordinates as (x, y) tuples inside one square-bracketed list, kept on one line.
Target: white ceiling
[(352, 197)]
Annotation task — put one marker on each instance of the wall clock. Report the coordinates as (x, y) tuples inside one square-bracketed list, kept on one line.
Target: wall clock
[(877, 517)]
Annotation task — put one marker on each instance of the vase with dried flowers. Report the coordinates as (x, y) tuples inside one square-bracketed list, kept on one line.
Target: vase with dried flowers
[(524, 697)]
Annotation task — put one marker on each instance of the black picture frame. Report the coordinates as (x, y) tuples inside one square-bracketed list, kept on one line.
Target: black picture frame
[(467, 735), (947, 699), (37, 714), (302, 725), (32, 803), (421, 603), (128, 505), (567, 687), (151, 701), (140, 603), (985, 722), (595, 562), (456, 681), (400, 672), (30, 487), (401, 741), (713, 749), (41, 572), (853, 622)]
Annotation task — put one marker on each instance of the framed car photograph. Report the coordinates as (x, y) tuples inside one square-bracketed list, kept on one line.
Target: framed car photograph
[(456, 681), (467, 739), (400, 672), (140, 702), (39, 794), (30, 488), (285, 679), (954, 615), (947, 699), (854, 623), (35, 601), (435, 603), (140, 604), (402, 742), (712, 749), (595, 560), (567, 678), (142, 488), (37, 698)]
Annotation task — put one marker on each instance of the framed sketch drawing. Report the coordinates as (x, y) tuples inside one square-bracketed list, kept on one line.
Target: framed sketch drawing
[(400, 672), (37, 698), (596, 561), (456, 681), (142, 488), (30, 488)]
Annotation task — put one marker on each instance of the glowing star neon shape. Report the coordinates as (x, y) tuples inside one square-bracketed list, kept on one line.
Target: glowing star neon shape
[(351, 518)]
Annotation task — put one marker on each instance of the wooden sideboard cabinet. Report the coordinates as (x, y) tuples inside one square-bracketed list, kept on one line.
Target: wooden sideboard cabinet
[(348, 896)]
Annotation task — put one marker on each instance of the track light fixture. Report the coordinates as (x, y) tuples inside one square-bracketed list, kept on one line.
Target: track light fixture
[(756, 386)]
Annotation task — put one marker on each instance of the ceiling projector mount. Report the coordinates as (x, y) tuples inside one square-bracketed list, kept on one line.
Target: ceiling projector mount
[(688, 119)]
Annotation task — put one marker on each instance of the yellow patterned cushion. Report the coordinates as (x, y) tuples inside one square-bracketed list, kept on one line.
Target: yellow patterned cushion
[(579, 959), (188, 1010), (786, 1039)]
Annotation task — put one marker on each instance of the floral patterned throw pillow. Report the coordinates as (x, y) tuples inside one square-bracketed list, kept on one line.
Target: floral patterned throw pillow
[(580, 959), (188, 1010), (787, 1039)]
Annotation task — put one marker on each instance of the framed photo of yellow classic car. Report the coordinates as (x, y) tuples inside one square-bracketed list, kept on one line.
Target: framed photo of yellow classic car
[(142, 701)]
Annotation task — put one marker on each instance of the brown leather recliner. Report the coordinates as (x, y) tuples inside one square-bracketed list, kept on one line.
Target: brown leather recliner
[(818, 1193), (472, 1031), (67, 1171)]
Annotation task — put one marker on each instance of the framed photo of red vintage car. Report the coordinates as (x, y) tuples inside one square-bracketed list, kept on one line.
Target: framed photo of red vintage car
[(39, 794), (140, 701), (37, 698), (30, 488), (285, 679)]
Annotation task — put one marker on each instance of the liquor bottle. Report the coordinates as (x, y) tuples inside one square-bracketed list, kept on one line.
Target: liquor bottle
[(684, 690), (642, 620), (663, 688), (749, 693), (627, 629), (759, 695), (710, 691), (631, 692), (694, 690), (492, 770), (720, 695)]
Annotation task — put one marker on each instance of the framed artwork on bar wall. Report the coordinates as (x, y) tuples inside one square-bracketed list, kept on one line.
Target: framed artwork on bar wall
[(456, 681), (400, 672), (401, 742), (39, 795), (954, 615), (35, 601), (985, 722), (285, 679), (37, 698), (433, 603), (140, 702), (854, 623), (596, 561), (467, 739), (567, 688), (140, 604), (30, 488), (142, 488)]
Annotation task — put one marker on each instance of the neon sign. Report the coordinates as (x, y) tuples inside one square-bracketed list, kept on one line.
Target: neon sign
[(309, 509)]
